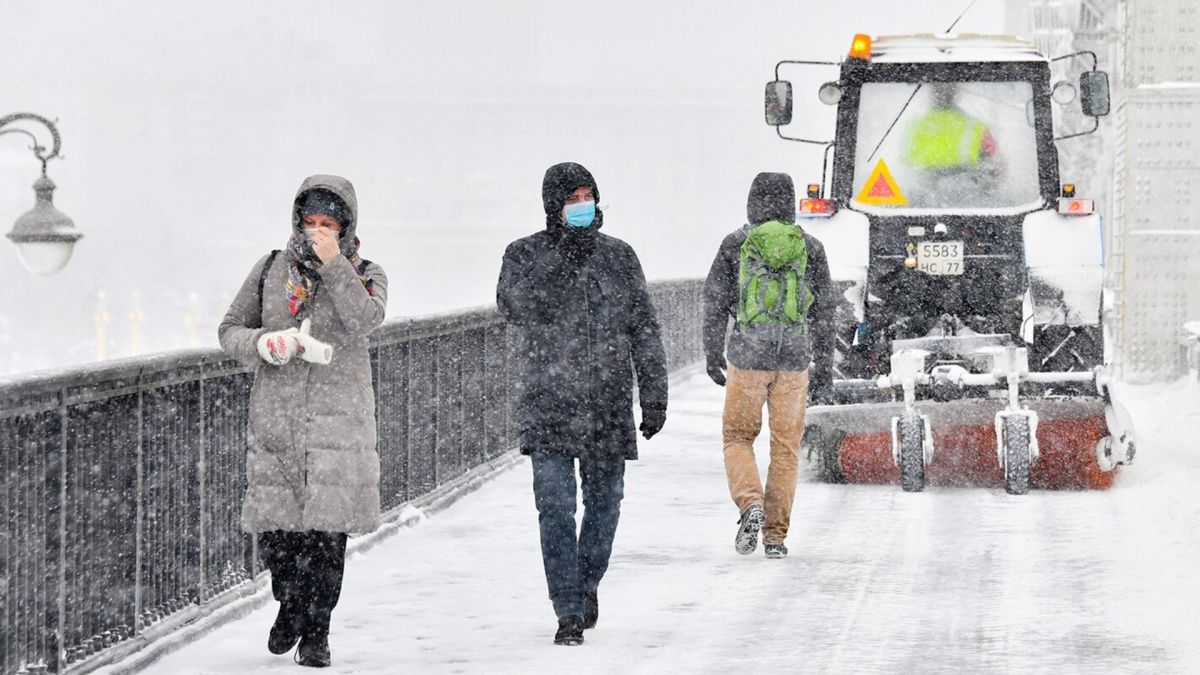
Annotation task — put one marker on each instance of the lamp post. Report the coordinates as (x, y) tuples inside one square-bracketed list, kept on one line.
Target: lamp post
[(44, 236)]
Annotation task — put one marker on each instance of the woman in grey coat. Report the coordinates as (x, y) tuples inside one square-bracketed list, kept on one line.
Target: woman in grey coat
[(312, 470)]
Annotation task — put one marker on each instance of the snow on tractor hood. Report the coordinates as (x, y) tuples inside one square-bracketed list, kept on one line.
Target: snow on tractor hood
[(952, 47)]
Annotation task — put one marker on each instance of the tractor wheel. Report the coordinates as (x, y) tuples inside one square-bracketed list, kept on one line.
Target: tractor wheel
[(1016, 455), (823, 446), (911, 438)]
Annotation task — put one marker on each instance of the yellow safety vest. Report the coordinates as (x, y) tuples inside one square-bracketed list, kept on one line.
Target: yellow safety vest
[(945, 139)]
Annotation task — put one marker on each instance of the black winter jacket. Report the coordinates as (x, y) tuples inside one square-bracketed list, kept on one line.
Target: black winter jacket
[(585, 326), (796, 352)]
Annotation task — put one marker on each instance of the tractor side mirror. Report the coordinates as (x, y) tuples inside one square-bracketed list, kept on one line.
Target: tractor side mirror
[(830, 93), (779, 103), (1094, 95)]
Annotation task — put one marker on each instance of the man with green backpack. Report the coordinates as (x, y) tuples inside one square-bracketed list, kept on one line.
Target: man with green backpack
[(772, 279)]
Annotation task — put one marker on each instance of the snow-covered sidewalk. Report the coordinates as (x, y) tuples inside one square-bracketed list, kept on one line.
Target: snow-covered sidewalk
[(949, 580)]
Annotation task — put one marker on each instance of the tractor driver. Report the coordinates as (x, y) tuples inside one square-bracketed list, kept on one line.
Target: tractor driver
[(946, 145)]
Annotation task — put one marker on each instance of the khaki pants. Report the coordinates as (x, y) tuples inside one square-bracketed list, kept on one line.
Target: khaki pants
[(786, 395)]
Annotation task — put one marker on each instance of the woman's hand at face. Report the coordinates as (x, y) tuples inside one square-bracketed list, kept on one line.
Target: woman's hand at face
[(325, 245)]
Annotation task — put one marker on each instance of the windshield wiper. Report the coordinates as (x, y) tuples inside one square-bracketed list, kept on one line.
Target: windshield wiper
[(893, 125)]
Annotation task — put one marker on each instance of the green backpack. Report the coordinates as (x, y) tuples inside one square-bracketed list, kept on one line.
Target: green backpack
[(772, 289)]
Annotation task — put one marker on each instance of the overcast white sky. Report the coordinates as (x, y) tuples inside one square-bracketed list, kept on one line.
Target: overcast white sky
[(188, 125)]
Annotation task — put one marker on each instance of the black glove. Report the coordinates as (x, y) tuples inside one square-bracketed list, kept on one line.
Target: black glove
[(820, 385), (653, 420), (716, 370)]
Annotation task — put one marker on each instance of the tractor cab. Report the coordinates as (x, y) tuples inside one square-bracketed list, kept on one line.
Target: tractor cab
[(969, 274)]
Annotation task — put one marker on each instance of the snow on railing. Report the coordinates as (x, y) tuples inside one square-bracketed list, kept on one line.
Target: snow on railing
[(121, 483)]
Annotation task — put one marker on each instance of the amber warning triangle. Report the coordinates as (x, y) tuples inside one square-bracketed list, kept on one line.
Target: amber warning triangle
[(881, 188)]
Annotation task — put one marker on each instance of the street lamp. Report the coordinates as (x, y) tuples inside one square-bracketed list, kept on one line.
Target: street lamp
[(44, 236)]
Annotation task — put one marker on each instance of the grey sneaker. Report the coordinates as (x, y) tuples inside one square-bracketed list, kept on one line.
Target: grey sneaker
[(775, 550), (748, 526)]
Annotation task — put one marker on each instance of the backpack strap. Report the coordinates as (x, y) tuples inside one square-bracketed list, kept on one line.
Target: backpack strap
[(262, 281), (362, 272), (748, 307)]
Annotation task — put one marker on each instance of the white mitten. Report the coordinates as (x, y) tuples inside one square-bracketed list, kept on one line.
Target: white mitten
[(312, 349), (279, 346)]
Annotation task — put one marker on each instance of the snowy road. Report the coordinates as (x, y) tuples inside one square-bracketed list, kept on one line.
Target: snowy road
[(949, 580)]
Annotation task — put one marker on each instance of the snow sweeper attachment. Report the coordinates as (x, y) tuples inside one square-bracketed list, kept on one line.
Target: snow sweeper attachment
[(970, 281), (986, 419)]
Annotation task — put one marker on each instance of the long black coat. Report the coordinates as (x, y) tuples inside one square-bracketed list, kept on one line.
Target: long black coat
[(581, 324)]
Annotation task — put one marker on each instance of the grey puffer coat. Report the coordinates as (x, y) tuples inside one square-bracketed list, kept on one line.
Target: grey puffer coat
[(311, 458)]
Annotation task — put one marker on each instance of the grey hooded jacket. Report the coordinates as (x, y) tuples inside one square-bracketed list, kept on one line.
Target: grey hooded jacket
[(311, 458), (772, 196)]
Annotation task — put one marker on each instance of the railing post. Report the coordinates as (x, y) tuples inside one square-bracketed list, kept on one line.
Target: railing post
[(461, 463), (408, 416), (254, 559), (202, 482), (486, 402), (508, 388), (435, 384), (376, 348), (60, 656), (139, 558)]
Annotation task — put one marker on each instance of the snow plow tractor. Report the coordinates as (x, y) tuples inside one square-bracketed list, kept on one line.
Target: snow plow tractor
[(970, 343)]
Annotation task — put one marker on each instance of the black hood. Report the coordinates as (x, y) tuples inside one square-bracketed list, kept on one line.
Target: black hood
[(772, 197), (558, 184)]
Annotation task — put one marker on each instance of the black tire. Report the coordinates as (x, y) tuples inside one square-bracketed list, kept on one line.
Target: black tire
[(911, 438), (1016, 455), (823, 446)]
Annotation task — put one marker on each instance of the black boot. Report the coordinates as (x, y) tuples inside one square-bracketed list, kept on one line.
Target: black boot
[(285, 631), (591, 609), (570, 631), (314, 651)]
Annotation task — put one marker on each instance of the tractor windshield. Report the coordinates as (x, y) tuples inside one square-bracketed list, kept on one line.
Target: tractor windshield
[(956, 146)]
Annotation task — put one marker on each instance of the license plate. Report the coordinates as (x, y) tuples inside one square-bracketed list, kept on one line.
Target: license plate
[(940, 257)]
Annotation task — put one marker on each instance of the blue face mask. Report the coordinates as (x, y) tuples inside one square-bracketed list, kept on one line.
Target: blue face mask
[(580, 215)]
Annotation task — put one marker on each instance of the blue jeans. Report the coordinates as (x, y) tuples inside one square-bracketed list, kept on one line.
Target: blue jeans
[(576, 565)]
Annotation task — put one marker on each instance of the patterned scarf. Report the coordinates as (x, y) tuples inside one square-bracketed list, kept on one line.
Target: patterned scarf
[(303, 277)]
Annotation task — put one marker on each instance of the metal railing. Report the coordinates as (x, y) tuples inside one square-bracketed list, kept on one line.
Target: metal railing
[(121, 484)]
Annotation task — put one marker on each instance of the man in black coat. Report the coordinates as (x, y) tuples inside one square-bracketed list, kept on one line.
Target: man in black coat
[(579, 303)]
